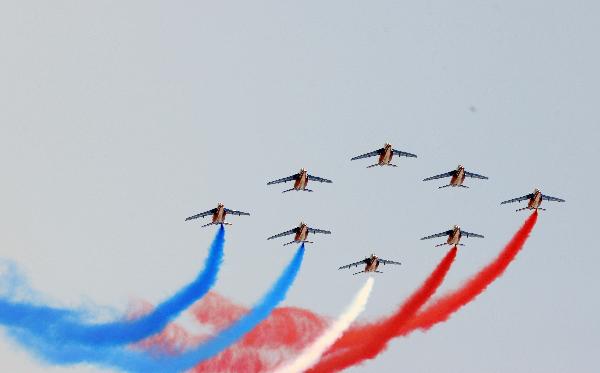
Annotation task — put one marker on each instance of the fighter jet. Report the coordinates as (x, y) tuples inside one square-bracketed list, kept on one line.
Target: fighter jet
[(458, 176), (535, 200), (301, 232), (218, 215), (300, 181), (371, 264), (454, 236), (385, 155)]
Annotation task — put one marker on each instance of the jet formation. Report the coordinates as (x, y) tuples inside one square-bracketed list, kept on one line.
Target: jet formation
[(385, 156)]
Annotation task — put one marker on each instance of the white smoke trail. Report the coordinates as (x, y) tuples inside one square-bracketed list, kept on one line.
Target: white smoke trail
[(311, 354)]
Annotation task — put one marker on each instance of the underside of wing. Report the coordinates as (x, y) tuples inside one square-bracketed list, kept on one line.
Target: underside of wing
[(291, 231), (355, 264), (446, 233), (320, 179), (548, 198), (315, 230), (476, 176), (469, 234), (518, 199), (440, 176), (235, 212), (367, 155), (201, 215), (403, 154), (384, 262), (283, 180)]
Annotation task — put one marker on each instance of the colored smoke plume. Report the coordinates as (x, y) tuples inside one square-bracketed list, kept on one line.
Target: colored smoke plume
[(283, 334), (155, 359), (68, 326), (442, 308), (373, 338), (357, 347), (310, 355)]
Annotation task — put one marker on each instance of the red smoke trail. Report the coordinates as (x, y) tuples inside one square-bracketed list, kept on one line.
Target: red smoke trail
[(283, 334), (287, 329), (441, 309), (373, 338), (354, 351), (294, 328)]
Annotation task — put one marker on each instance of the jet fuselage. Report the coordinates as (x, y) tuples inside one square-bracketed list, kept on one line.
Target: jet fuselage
[(459, 177)]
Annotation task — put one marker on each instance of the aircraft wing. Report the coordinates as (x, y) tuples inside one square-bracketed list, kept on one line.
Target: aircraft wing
[(367, 155), (446, 233), (355, 264), (440, 176), (476, 176), (403, 154), (518, 199), (469, 234), (291, 231), (384, 262), (316, 178), (315, 230), (201, 215), (234, 212), (283, 180), (548, 198)]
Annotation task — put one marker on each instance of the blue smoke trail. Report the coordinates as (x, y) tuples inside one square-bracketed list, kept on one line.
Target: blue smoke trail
[(56, 324), (154, 361)]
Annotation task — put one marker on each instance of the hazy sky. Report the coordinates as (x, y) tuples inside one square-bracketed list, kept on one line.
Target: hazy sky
[(118, 120)]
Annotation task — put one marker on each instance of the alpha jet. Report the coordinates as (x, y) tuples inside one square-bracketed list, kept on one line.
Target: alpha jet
[(300, 180), (371, 264), (454, 236), (385, 155), (301, 232), (218, 215), (535, 200), (457, 177)]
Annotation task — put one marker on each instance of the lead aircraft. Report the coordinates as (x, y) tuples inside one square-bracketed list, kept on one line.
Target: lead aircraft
[(385, 155)]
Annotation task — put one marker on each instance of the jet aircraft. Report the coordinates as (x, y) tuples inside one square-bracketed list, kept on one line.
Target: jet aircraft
[(457, 177), (535, 200), (218, 215), (301, 232), (385, 155), (300, 180), (454, 236), (371, 264)]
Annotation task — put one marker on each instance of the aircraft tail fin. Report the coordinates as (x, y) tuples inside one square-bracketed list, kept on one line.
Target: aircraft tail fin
[(444, 186), (373, 165), (288, 190), (222, 223), (357, 273), (442, 244)]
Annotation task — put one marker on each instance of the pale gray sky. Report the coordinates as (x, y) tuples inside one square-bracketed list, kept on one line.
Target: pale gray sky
[(118, 120)]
